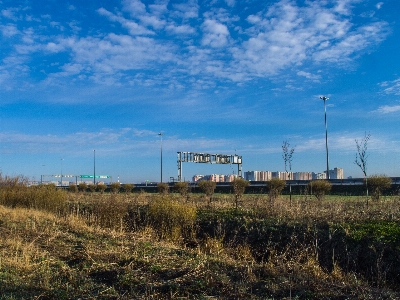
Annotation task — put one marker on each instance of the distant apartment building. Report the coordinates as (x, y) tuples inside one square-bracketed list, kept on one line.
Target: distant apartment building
[(303, 176), (196, 178), (258, 175), (316, 176), (336, 173), (230, 178), (215, 177), (283, 175)]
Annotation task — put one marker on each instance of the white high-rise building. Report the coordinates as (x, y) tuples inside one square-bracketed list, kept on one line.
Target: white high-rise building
[(258, 175), (336, 173)]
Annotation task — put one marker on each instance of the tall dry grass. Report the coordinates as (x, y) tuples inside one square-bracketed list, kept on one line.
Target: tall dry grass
[(42, 197), (89, 252), (172, 219)]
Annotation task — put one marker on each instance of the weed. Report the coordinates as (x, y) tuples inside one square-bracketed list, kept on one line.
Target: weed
[(171, 219)]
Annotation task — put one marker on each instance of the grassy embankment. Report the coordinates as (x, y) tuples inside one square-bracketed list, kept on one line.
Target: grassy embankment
[(59, 245)]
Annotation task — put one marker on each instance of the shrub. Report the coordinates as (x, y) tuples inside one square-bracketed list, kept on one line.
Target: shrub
[(110, 212), (12, 181), (42, 197), (128, 187), (101, 187), (92, 187), (275, 186), (379, 183), (114, 187), (171, 219), (73, 188), (163, 188), (208, 188), (239, 186), (82, 187), (319, 188), (182, 188)]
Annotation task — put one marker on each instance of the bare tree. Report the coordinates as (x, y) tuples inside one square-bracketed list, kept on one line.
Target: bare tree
[(287, 158), (287, 155), (362, 157)]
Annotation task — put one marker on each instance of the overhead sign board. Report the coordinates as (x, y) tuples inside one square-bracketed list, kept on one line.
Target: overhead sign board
[(97, 176)]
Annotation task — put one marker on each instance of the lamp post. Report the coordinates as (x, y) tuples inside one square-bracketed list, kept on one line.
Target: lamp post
[(94, 166), (161, 135), (326, 137), (41, 176), (61, 171)]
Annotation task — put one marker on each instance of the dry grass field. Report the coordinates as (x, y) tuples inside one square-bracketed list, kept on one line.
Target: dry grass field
[(62, 245)]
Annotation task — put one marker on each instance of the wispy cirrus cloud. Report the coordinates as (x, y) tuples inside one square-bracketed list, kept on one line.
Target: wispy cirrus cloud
[(391, 87), (386, 109), (141, 141), (133, 27)]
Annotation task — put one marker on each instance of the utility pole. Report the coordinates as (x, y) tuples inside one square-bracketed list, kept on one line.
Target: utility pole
[(161, 135), (94, 166), (326, 138)]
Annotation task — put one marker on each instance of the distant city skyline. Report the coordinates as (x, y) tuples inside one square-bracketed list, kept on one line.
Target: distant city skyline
[(226, 76), (335, 173)]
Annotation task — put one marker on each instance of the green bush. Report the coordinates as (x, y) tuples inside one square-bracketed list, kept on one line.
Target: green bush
[(172, 220), (275, 187), (378, 183), (319, 188)]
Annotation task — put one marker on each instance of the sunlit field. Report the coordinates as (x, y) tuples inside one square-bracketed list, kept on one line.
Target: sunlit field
[(58, 244)]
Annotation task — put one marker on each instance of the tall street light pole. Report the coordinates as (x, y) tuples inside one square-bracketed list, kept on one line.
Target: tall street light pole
[(61, 171), (161, 135), (326, 137), (41, 176), (94, 166)]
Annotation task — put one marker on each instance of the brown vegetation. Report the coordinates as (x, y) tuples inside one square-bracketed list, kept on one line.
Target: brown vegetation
[(145, 246)]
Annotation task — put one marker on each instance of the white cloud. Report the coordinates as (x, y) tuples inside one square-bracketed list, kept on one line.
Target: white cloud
[(134, 7), (186, 10), (180, 29), (152, 21), (133, 27), (391, 87), (309, 75), (9, 30), (279, 37), (10, 13), (138, 10), (230, 3), (214, 34), (124, 140), (386, 109), (379, 5)]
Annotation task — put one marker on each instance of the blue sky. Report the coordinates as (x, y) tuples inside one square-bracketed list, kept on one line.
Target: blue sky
[(214, 76)]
